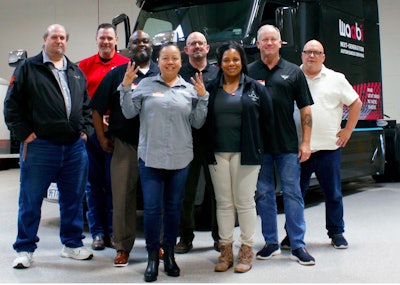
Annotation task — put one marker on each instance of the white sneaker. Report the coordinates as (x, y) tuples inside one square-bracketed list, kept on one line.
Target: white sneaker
[(79, 253), (23, 260)]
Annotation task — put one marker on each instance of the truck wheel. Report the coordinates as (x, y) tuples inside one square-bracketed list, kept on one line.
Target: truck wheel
[(392, 156), (396, 162)]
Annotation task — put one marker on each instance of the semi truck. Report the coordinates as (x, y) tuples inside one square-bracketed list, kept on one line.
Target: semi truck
[(349, 31)]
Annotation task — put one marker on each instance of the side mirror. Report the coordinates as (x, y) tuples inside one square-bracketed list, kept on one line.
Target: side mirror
[(165, 37), (16, 56)]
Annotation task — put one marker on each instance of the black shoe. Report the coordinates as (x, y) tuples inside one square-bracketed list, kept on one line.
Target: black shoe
[(170, 266), (216, 246), (339, 242), (302, 256), (183, 247), (285, 243), (151, 272), (98, 243)]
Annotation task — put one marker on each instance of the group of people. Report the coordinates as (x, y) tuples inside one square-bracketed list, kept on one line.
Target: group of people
[(163, 123)]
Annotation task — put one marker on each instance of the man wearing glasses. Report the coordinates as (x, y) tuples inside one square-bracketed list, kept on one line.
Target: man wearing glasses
[(330, 91), (197, 49)]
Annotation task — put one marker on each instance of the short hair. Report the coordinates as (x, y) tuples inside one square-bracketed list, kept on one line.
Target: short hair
[(268, 26), (107, 26), (236, 46), (46, 33)]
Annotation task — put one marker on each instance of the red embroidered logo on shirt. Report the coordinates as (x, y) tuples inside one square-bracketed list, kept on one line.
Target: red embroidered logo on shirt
[(11, 81)]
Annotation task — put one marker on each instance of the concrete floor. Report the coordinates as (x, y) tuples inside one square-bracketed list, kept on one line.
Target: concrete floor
[(372, 213)]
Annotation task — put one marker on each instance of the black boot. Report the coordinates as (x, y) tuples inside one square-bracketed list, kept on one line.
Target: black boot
[(151, 272), (170, 266)]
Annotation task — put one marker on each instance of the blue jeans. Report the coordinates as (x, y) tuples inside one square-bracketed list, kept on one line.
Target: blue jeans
[(47, 162), (288, 168), (98, 189), (162, 196), (326, 165)]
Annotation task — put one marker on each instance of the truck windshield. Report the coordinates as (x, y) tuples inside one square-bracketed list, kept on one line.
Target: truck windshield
[(213, 20)]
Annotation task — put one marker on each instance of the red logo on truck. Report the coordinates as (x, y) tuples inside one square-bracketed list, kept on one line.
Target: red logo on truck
[(355, 32)]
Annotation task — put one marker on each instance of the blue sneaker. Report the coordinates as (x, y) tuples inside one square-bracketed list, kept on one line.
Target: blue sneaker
[(268, 251), (302, 256), (339, 242)]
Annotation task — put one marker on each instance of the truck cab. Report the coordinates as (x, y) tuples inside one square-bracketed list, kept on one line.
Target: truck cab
[(349, 31)]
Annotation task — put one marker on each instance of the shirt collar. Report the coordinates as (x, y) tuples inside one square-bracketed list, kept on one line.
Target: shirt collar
[(180, 82), (46, 59), (319, 75)]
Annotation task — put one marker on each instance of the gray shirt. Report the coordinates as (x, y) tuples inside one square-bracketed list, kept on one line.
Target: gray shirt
[(61, 76), (167, 114)]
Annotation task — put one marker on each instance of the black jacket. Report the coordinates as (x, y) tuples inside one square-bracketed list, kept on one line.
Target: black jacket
[(257, 121), (34, 103)]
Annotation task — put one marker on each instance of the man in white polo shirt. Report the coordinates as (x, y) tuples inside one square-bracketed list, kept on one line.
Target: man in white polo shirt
[(330, 91)]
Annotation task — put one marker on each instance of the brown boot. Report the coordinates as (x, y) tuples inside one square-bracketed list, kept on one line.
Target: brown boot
[(245, 258), (225, 260)]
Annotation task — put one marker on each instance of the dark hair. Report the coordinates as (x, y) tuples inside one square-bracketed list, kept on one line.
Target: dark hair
[(107, 26), (164, 45), (236, 46)]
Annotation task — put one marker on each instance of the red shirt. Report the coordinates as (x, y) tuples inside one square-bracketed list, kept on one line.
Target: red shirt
[(95, 69)]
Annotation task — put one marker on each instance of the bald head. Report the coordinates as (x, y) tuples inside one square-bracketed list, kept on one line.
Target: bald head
[(197, 49), (195, 36), (140, 47), (313, 44), (55, 27), (312, 57)]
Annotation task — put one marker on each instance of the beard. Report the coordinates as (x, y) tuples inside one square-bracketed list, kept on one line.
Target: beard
[(198, 55), (141, 57)]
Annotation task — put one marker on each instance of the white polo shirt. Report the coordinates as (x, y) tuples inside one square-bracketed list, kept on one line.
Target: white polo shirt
[(330, 90)]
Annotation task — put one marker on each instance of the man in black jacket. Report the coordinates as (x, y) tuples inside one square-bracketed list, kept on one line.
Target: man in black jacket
[(122, 140), (46, 108)]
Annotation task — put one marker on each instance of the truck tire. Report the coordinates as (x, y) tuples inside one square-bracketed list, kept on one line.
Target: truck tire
[(392, 156), (396, 166)]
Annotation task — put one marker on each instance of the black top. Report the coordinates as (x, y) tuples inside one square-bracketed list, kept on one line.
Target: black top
[(107, 97), (209, 73), (286, 84), (228, 119), (34, 103), (257, 121)]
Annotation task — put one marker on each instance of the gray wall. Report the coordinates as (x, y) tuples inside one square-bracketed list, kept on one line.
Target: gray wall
[(389, 11), (22, 23)]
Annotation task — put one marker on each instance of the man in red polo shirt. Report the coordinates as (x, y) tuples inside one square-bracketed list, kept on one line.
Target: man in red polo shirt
[(98, 190)]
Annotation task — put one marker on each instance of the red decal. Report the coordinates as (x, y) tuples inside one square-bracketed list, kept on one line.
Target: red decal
[(11, 81)]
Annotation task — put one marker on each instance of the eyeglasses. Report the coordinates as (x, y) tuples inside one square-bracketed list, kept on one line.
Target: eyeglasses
[(314, 52), (194, 43)]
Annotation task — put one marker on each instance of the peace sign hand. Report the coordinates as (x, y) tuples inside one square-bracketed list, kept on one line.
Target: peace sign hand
[(130, 74), (199, 84)]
